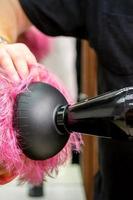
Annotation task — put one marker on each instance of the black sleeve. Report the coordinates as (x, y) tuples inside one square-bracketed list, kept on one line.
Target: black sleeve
[(57, 17)]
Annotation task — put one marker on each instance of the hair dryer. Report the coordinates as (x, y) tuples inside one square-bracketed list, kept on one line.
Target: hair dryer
[(45, 120)]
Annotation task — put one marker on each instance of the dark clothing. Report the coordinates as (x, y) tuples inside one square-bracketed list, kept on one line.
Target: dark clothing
[(108, 25), (61, 17)]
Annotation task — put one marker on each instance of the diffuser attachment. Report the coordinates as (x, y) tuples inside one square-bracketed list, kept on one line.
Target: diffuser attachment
[(36, 123)]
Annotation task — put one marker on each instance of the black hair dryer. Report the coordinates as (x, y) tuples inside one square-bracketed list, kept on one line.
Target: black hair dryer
[(45, 120)]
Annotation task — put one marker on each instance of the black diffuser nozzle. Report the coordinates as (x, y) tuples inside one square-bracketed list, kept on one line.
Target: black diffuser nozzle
[(34, 119), (45, 120)]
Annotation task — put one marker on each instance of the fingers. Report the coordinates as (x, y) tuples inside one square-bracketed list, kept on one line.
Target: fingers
[(19, 64), (15, 59), (30, 58), (7, 64)]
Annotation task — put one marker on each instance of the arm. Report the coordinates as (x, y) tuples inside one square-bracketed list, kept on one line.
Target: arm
[(14, 58), (53, 17), (13, 21), (61, 18)]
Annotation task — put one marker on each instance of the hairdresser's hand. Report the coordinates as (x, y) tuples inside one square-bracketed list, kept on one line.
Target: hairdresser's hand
[(15, 59)]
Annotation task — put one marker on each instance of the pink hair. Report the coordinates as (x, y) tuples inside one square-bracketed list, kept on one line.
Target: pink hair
[(11, 155)]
